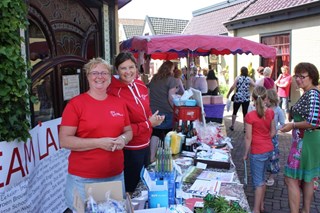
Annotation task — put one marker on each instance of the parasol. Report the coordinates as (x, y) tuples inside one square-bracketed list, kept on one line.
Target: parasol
[(168, 47)]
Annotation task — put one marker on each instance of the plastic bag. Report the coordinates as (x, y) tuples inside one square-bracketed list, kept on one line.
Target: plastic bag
[(209, 134), (228, 105)]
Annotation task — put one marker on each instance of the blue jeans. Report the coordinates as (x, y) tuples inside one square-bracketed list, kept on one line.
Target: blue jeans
[(76, 182), (284, 104), (258, 167)]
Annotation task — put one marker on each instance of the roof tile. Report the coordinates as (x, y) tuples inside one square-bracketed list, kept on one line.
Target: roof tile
[(211, 23), (162, 26)]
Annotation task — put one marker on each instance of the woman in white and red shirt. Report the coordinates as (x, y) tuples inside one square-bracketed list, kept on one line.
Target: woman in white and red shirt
[(136, 96), (283, 83)]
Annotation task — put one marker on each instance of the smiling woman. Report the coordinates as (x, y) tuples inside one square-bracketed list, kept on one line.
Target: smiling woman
[(96, 145), (136, 95), (303, 167)]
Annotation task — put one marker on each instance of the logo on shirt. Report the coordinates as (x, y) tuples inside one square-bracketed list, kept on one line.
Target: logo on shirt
[(116, 114), (143, 96)]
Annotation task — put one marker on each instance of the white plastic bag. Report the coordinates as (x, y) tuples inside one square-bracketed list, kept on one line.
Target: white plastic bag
[(228, 105)]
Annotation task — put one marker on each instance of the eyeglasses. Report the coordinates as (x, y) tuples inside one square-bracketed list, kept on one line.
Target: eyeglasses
[(96, 74), (300, 76)]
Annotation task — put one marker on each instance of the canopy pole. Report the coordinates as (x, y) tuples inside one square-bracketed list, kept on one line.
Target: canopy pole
[(188, 85)]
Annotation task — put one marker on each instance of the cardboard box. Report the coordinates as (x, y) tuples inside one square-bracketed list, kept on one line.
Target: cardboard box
[(206, 99), (161, 193), (157, 190), (98, 193), (216, 99), (222, 162), (213, 163)]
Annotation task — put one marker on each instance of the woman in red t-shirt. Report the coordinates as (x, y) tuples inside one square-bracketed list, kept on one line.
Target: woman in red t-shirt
[(260, 128), (95, 127)]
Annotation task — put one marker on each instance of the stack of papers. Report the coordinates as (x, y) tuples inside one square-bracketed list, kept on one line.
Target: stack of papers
[(202, 187)]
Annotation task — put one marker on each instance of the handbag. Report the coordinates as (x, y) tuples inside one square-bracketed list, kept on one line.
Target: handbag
[(232, 97)]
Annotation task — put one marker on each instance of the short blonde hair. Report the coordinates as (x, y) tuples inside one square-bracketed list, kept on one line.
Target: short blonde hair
[(94, 62), (284, 67)]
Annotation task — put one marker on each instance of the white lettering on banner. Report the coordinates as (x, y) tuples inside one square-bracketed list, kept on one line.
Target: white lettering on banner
[(32, 174)]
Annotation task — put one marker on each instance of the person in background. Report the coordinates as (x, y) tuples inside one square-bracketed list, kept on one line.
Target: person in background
[(177, 74), (267, 81), (242, 85), (95, 127), (260, 128), (213, 83), (303, 164), (200, 83), (260, 75), (184, 76), (274, 166), (136, 96), (162, 87), (144, 77), (284, 83)]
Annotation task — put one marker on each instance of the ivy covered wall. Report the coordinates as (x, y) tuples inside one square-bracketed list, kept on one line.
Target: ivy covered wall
[(14, 82)]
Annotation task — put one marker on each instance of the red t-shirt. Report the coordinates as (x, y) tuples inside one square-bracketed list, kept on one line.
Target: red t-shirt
[(284, 91), (96, 119), (261, 139)]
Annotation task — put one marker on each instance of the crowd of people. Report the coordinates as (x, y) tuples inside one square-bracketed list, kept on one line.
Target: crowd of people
[(271, 114), (114, 128)]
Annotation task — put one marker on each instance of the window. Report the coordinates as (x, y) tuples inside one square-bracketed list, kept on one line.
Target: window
[(282, 43)]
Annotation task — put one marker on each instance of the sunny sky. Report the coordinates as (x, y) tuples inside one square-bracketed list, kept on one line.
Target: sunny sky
[(177, 9)]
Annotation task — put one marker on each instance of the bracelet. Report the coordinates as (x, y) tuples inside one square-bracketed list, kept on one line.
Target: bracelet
[(294, 125), (124, 139)]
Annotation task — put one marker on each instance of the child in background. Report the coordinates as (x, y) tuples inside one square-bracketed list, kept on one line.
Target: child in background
[(260, 129), (279, 119)]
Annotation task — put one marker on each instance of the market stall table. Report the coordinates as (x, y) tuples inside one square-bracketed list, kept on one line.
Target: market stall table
[(232, 190)]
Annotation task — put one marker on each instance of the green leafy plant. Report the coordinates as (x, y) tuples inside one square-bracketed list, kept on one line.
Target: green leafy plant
[(223, 89), (14, 94), (218, 204)]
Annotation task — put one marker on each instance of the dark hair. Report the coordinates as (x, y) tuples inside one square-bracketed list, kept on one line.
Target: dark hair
[(141, 70), (260, 70), (211, 75), (244, 71), (122, 57), (259, 94), (305, 67), (164, 71)]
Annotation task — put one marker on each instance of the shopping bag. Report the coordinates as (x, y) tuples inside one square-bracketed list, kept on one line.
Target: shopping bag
[(228, 105)]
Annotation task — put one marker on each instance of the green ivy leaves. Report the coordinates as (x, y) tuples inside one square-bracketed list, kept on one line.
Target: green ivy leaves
[(15, 85)]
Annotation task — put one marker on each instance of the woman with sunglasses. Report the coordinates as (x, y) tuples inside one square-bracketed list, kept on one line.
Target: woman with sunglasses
[(303, 164)]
